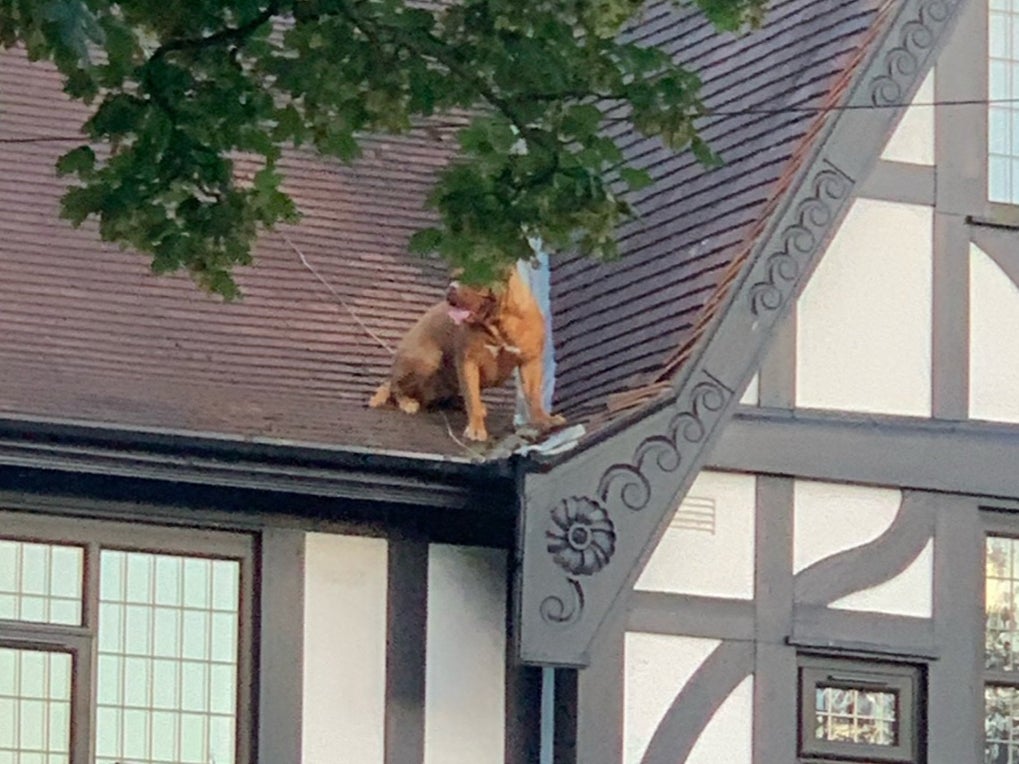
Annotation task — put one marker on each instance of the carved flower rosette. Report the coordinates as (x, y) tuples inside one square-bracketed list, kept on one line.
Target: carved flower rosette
[(581, 537)]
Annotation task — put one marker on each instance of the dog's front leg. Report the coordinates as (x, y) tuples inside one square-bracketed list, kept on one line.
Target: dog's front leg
[(470, 389), (532, 374)]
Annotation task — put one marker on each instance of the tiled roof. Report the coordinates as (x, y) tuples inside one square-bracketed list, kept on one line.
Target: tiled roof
[(619, 325), (87, 334)]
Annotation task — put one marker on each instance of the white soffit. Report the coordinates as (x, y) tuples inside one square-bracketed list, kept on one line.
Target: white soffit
[(730, 733), (910, 593), (752, 395)]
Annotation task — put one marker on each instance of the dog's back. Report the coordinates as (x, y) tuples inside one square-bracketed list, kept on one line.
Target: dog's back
[(424, 367)]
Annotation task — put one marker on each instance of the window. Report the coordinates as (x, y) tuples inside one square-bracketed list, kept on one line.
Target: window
[(1001, 651), (1003, 112), (123, 643), (854, 710)]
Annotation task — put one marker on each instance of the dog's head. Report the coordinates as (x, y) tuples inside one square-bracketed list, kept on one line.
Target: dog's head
[(477, 305), (471, 305)]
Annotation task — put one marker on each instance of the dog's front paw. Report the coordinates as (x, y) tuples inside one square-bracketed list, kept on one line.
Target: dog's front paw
[(549, 421), (476, 431)]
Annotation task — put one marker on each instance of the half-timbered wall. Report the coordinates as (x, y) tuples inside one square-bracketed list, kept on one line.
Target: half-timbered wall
[(380, 678), (691, 657), (851, 497)]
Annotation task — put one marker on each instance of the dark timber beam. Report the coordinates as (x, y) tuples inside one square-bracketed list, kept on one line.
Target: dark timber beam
[(953, 457)]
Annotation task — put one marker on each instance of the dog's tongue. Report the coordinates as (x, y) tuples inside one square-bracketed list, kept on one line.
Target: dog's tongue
[(459, 315)]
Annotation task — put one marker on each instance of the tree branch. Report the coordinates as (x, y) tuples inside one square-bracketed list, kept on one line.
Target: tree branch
[(439, 52), (227, 35)]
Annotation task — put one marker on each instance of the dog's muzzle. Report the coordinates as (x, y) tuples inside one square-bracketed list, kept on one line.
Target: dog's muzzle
[(452, 291)]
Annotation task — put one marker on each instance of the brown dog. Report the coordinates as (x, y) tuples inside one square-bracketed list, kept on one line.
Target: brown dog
[(472, 341)]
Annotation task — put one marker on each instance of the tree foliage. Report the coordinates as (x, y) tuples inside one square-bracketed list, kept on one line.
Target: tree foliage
[(180, 88)]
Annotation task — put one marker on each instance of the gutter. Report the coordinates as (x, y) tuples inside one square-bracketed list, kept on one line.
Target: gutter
[(203, 460)]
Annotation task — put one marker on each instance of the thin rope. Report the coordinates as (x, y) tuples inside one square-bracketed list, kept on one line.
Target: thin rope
[(454, 438), (304, 261)]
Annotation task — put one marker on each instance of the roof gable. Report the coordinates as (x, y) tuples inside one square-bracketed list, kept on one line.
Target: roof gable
[(627, 486)]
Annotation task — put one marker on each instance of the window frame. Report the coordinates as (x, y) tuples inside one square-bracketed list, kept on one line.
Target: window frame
[(95, 535), (903, 679), (997, 525)]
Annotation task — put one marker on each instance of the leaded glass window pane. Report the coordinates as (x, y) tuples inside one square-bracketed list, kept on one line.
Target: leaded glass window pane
[(850, 715), (41, 583), (35, 706), (167, 664), (1001, 725), (1003, 85), (1001, 633)]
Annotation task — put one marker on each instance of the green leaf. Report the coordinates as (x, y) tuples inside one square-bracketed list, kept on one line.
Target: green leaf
[(704, 154), (635, 178), (79, 161), (425, 241), (117, 115), (78, 203), (582, 121)]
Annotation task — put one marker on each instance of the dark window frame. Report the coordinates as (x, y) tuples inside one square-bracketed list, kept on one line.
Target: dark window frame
[(995, 525), (905, 680), (94, 535)]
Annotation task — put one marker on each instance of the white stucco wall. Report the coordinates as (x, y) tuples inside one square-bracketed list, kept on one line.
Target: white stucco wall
[(729, 736), (864, 320), (831, 517), (909, 593), (752, 395), (344, 649), (708, 548), (913, 139), (994, 352), (657, 668), (466, 655)]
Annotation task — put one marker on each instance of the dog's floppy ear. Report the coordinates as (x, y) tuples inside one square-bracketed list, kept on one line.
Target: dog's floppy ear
[(489, 307)]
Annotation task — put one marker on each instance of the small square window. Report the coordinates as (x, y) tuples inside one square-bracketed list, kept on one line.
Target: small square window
[(853, 710)]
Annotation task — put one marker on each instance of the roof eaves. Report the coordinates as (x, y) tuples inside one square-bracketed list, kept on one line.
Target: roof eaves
[(267, 464)]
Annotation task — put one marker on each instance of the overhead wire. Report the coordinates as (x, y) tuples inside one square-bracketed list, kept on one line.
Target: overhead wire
[(750, 111)]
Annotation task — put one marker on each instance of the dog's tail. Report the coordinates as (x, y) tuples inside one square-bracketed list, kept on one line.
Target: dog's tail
[(382, 396)]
